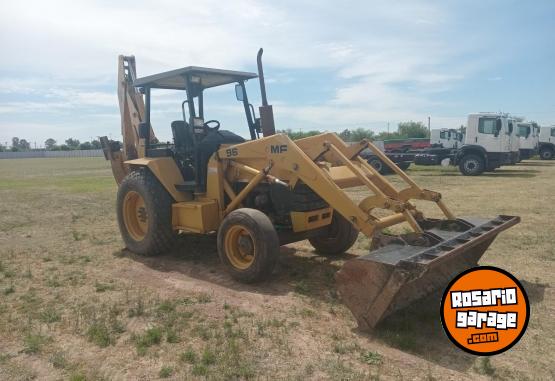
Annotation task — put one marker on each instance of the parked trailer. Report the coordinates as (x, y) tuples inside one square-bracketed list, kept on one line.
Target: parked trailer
[(402, 159)]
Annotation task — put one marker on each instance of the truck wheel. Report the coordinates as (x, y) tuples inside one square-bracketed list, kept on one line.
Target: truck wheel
[(546, 154), (144, 210), (471, 165), (248, 245), (404, 165), (337, 239), (377, 164)]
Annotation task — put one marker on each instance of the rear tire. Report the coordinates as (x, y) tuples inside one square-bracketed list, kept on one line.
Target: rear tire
[(248, 245), (377, 164), (471, 165), (546, 154), (404, 165), (337, 239), (144, 210)]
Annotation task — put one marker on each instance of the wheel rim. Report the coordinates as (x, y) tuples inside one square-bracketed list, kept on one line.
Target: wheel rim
[(377, 165), (239, 247), (135, 216), (470, 165)]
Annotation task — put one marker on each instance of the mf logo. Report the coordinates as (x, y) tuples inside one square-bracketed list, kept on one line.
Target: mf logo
[(278, 148)]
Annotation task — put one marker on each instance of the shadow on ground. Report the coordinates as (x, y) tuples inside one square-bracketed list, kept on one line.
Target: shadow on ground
[(536, 163), (297, 270), (416, 329), (509, 173)]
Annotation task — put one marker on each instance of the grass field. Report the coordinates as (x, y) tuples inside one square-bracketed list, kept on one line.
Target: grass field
[(75, 305)]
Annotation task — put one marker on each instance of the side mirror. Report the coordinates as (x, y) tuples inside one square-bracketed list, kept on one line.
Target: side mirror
[(239, 94), (498, 126)]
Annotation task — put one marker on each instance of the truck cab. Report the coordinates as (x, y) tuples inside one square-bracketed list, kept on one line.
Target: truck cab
[(446, 138), (487, 144), (547, 143), (514, 141), (527, 134)]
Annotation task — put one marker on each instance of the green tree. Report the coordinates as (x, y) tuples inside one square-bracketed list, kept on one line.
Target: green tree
[(15, 143), (24, 145), (361, 133), (96, 144), (294, 135), (86, 146), (413, 130), (72, 143), (49, 144)]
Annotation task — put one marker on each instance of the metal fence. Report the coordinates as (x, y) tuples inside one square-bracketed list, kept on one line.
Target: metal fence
[(47, 154)]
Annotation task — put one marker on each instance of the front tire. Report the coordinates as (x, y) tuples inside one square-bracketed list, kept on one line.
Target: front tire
[(248, 245), (546, 154), (337, 239), (144, 214), (471, 165)]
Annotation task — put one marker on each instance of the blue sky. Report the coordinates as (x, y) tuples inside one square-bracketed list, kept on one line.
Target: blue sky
[(329, 66)]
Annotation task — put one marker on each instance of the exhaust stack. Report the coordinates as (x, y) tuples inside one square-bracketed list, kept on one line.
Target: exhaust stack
[(266, 112)]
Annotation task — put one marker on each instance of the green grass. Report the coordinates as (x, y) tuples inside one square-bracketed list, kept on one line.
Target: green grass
[(152, 336), (33, 343), (75, 175), (100, 334), (165, 371)]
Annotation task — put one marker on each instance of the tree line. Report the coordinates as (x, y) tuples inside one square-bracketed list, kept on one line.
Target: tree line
[(405, 130), (51, 145)]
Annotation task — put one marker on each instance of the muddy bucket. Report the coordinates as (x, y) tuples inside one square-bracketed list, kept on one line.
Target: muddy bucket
[(408, 267)]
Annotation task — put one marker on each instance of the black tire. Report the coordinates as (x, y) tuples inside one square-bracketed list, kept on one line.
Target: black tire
[(377, 164), (546, 154), (404, 165), (471, 165), (260, 238), (159, 236), (337, 239)]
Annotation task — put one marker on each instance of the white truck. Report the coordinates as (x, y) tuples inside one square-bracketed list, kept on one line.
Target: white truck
[(446, 138), (547, 142), (528, 136), (487, 144), (514, 141)]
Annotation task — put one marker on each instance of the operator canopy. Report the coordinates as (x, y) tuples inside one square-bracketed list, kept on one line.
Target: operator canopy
[(205, 77)]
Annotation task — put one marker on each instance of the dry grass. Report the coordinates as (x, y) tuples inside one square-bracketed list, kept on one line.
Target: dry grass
[(74, 305)]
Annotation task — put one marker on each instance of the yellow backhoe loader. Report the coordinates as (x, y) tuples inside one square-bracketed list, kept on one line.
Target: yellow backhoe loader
[(268, 191)]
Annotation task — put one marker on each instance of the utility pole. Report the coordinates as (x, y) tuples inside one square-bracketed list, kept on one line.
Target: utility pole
[(388, 129), (429, 128)]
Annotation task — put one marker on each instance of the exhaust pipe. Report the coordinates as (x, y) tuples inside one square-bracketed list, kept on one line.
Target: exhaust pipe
[(266, 112)]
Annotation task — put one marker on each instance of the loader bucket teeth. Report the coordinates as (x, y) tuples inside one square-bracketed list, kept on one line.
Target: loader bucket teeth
[(405, 268)]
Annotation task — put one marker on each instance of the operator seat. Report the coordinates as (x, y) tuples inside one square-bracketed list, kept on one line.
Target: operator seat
[(181, 135)]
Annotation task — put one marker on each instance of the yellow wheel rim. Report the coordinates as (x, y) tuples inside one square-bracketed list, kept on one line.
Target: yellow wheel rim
[(239, 247), (135, 216)]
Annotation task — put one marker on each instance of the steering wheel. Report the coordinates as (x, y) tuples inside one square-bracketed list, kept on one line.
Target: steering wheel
[(215, 128)]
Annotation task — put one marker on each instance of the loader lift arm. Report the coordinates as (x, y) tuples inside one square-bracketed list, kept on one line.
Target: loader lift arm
[(402, 268)]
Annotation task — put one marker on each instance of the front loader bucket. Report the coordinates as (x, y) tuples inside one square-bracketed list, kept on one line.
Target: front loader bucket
[(409, 267)]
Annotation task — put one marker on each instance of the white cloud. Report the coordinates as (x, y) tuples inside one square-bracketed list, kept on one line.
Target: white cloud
[(384, 61)]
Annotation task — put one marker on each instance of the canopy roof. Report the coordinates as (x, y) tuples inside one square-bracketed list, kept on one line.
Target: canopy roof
[(175, 79)]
